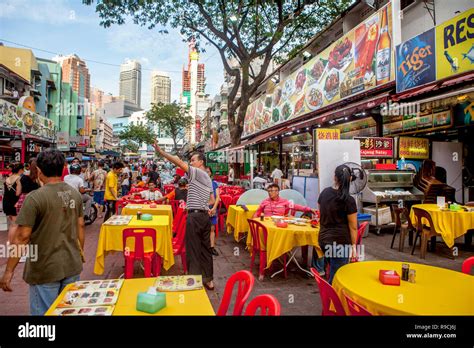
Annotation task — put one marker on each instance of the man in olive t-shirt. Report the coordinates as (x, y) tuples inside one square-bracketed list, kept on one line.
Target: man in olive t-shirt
[(51, 220)]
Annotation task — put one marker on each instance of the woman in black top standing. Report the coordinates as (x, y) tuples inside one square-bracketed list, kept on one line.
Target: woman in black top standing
[(12, 191), (338, 221), (28, 183)]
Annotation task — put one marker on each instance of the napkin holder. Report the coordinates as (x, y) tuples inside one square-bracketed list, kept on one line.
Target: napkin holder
[(151, 301), (389, 277), (147, 217), (281, 224), (153, 205)]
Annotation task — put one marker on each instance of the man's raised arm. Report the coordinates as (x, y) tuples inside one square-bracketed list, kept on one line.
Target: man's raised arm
[(173, 159)]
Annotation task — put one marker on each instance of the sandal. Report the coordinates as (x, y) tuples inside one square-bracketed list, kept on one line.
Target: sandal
[(211, 288)]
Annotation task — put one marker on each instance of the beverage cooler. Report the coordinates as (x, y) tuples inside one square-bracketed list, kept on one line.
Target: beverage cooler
[(388, 187)]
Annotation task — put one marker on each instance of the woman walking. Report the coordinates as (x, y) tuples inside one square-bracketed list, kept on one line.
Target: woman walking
[(28, 183), (12, 191)]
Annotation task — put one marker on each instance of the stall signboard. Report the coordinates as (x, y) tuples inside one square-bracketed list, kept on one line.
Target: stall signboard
[(373, 147), (63, 141), (216, 160), (455, 45), (20, 119), (328, 134), (415, 61), (359, 61), (415, 148), (436, 54), (428, 120)]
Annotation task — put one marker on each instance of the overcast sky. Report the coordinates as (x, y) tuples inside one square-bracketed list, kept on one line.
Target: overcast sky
[(67, 27)]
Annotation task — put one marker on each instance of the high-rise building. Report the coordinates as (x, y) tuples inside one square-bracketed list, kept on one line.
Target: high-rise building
[(76, 73), (131, 81), (160, 88), (194, 84), (97, 97)]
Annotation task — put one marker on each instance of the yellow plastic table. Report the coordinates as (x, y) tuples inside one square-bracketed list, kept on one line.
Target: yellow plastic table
[(160, 209), (237, 219), (282, 240), (450, 224), (194, 302), (436, 291), (110, 239)]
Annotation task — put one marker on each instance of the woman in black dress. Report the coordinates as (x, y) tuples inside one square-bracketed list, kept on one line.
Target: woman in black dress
[(338, 221), (11, 194)]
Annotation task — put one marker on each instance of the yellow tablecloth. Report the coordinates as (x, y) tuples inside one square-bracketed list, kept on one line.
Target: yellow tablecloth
[(450, 224), (161, 209), (437, 291), (237, 219), (283, 240), (195, 302), (110, 239)]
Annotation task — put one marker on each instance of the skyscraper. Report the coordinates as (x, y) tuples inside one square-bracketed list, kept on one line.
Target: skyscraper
[(131, 81), (160, 88), (193, 84), (76, 73)]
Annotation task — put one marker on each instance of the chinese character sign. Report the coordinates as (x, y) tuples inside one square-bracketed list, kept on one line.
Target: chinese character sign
[(328, 134), (376, 147), (417, 148)]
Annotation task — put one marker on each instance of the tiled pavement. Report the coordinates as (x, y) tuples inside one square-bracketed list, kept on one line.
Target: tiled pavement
[(298, 294)]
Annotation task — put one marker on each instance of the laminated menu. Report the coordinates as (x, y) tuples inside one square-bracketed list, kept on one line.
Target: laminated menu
[(83, 298), (92, 285), (178, 283), (119, 220), (85, 311)]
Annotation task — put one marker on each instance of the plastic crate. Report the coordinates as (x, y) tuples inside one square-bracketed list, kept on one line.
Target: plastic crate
[(385, 216), (362, 218)]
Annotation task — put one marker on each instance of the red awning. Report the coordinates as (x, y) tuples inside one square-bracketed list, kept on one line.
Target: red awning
[(459, 79), (415, 92)]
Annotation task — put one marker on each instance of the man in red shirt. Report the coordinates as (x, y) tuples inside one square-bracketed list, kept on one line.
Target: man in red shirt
[(275, 205)]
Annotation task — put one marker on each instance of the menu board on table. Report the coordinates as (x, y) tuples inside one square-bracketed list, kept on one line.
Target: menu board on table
[(85, 311), (178, 283), (119, 220), (83, 298), (376, 147), (361, 60), (92, 285)]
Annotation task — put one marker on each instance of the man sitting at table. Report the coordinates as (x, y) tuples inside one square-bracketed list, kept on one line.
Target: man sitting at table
[(275, 205), (152, 193), (179, 194)]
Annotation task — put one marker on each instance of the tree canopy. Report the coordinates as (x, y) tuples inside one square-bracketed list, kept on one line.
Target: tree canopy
[(244, 31)]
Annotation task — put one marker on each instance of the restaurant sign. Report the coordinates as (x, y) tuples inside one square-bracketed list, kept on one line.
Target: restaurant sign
[(63, 141), (416, 148), (373, 147), (328, 134), (357, 62), (20, 119)]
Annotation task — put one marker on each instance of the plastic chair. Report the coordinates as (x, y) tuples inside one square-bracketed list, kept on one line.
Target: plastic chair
[(180, 212), (403, 227), (467, 265), (245, 281), (328, 295), (174, 205), (150, 259), (259, 235), (296, 197), (255, 196), (226, 201), (120, 204), (178, 241), (360, 233), (354, 308), (424, 232), (268, 305), (168, 188)]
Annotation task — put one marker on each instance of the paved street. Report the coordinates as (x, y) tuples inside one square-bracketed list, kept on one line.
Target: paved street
[(298, 295)]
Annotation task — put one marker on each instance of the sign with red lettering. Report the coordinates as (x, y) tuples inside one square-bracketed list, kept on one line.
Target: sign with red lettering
[(375, 147)]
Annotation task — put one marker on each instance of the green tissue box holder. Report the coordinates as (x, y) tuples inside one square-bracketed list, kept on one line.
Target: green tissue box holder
[(151, 301), (147, 217)]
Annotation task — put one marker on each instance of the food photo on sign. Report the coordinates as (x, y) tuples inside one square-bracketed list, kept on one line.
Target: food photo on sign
[(360, 60)]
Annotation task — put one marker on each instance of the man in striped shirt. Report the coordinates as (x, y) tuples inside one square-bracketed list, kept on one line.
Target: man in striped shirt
[(198, 226)]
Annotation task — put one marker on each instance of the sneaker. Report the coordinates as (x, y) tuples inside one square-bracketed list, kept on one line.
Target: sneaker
[(22, 259), (322, 273), (214, 252)]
